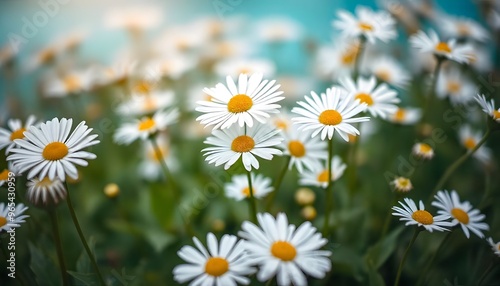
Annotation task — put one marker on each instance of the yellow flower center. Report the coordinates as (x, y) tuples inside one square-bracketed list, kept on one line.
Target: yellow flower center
[(3, 221), (18, 134), (246, 191), (423, 217), (216, 266), (245, 70), (296, 148), (496, 114), (55, 151), (349, 56), (47, 55), (72, 83), (146, 124), (384, 75), (463, 29), (283, 250), (365, 27), (460, 215), (4, 175), (425, 148), (330, 117), (323, 177), (453, 86), (470, 143), (400, 115), (281, 124), (46, 182), (403, 183), (365, 98), (443, 47), (143, 87), (242, 144), (239, 103)]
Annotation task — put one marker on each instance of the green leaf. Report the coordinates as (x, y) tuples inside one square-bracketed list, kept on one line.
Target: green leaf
[(83, 264), (377, 254), (88, 279), (349, 262), (43, 267), (374, 276)]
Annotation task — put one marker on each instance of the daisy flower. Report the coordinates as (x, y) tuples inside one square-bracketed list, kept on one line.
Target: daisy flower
[(494, 246), (367, 23), (9, 222), (118, 73), (480, 58), (46, 191), (150, 167), (141, 104), (328, 113), (487, 107), (304, 150), (423, 150), (381, 100), (224, 263), (4, 176), (278, 29), (282, 250), (389, 70), (461, 212), (430, 43), (456, 86), (171, 66), (463, 28), (235, 67), (402, 184), (232, 143), (420, 216), (319, 176), (253, 98), (282, 121), (134, 19), (145, 127), (469, 139), (337, 60), (407, 115), (73, 82), (16, 131), (238, 187), (50, 150)]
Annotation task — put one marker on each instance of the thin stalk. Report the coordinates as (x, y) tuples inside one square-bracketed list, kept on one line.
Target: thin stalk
[(164, 167), (387, 221), (277, 183), (251, 198), (353, 154), (82, 237), (405, 255), (458, 163), (57, 240), (422, 276), (328, 200), (432, 91), (486, 272), (359, 56)]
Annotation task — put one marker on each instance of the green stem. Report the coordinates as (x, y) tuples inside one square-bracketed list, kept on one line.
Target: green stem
[(405, 255), (57, 240), (251, 198), (164, 167), (357, 63), (82, 237), (277, 184), (422, 276), (486, 272), (387, 221), (353, 173), (451, 169), (432, 91), (328, 200)]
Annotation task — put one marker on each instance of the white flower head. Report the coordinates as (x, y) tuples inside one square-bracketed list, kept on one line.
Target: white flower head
[(235, 67), (7, 221), (238, 187), (141, 104), (304, 150), (406, 116), (487, 107), (419, 216), (469, 139), (423, 150), (46, 191), (494, 246), (389, 70), (456, 86), (16, 131), (430, 43), (319, 175), (282, 250)]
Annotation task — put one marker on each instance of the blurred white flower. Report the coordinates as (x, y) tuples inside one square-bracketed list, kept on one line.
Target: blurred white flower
[(135, 19), (389, 70), (70, 83), (431, 43), (452, 83), (235, 67), (278, 29), (318, 176), (461, 27), (469, 139), (407, 115), (238, 187)]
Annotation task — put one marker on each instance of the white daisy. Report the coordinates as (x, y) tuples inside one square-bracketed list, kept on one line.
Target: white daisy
[(171, 66), (4, 176), (253, 98), (141, 104), (278, 29), (420, 216), (430, 43), (487, 107), (282, 250), (9, 222), (494, 246), (134, 19), (381, 100), (145, 127), (480, 58), (73, 82), (235, 67), (232, 143), (462, 28), (319, 176), (469, 139), (238, 187), (46, 191), (150, 167), (336, 59), (423, 150), (282, 121), (16, 131), (118, 73), (368, 23), (44, 56), (461, 212), (402, 184), (328, 113), (407, 115), (224, 263), (389, 70), (304, 150), (181, 39), (50, 150), (456, 86)]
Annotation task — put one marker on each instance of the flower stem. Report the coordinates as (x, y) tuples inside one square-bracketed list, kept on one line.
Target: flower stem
[(432, 91), (57, 240), (251, 199), (405, 255), (422, 276), (82, 237), (164, 167), (328, 199), (277, 184), (486, 272), (359, 56), (387, 221), (458, 163)]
